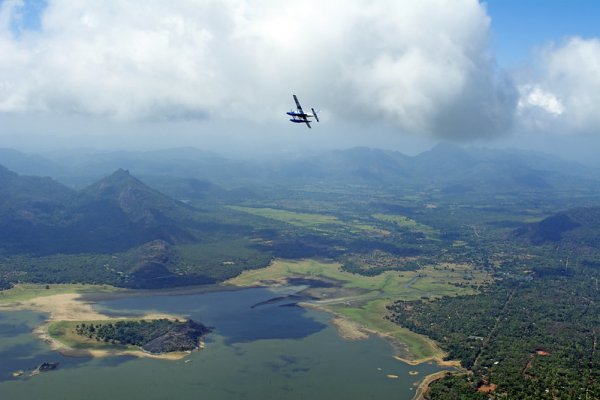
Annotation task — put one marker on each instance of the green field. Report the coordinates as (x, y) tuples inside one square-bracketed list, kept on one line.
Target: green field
[(409, 224), (304, 220), (312, 221), (370, 315), (407, 285)]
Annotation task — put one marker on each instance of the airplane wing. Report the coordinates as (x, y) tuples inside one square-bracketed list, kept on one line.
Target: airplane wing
[(298, 106), (307, 122)]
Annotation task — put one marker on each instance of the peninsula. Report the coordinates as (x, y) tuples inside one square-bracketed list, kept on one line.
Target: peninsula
[(75, 328)]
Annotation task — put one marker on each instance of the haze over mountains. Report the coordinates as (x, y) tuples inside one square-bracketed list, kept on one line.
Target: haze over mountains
[(446, 166), (118, 211)]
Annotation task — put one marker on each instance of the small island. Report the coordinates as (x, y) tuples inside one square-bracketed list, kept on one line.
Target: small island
[(156, 336)]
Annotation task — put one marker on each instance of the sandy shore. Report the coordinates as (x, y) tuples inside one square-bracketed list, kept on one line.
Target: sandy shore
[(424, 385), (349, 330), (60, 307), (71, 307), (438, 360)]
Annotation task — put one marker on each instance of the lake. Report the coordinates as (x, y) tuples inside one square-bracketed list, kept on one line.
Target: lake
[(259, 349)]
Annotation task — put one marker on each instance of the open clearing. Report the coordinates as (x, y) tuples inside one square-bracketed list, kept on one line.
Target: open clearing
[(317, 222), (409, 224), (304, 220)]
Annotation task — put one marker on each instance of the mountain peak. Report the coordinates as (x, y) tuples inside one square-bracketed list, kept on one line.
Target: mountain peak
[(119, 175), (121, 172), (116, 185), (133, 197), (115, 182)]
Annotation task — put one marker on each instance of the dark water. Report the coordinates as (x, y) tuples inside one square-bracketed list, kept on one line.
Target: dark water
[(269, 352)]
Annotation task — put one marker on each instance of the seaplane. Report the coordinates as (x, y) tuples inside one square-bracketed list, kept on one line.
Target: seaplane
[(299, 116)]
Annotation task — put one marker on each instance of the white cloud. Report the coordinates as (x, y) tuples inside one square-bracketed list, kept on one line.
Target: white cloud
[(564, 93), (534, 96), (424, 66)]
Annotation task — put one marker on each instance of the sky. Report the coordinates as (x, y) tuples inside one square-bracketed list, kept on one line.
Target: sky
[(219, 74)]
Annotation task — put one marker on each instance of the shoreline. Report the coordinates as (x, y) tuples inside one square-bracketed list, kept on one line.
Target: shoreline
[(76, 306), (352, 330), (423, 387), (72, 307), (415, 349)]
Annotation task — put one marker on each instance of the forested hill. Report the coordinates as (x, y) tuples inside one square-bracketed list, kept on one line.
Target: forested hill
[(40, 216), (574, 228), (123, 205), (31, 208), (30, 191), (117, 231)]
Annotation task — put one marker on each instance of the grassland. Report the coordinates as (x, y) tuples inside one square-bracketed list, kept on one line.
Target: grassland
[(303, 220), (24, 292), (435, 281), (312, 221), (415, 348), (408, 224), (366, 304)]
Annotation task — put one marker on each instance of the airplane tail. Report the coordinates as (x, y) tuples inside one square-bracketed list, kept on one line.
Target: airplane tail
[(315, 114)]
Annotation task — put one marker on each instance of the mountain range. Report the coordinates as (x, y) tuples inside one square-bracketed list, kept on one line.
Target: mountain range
[(144, 222), (188, 172)]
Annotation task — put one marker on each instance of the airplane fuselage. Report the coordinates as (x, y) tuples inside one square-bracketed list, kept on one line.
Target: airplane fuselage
[(299, 115)]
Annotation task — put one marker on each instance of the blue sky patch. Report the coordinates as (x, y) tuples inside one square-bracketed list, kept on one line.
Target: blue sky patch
[(28, 16)]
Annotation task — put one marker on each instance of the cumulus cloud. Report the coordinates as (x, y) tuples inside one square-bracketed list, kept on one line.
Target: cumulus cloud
[(423, 66), (563, 94), (534, 96)]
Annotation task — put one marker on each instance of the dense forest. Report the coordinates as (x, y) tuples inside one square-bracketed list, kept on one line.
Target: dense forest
[(531, 338)]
